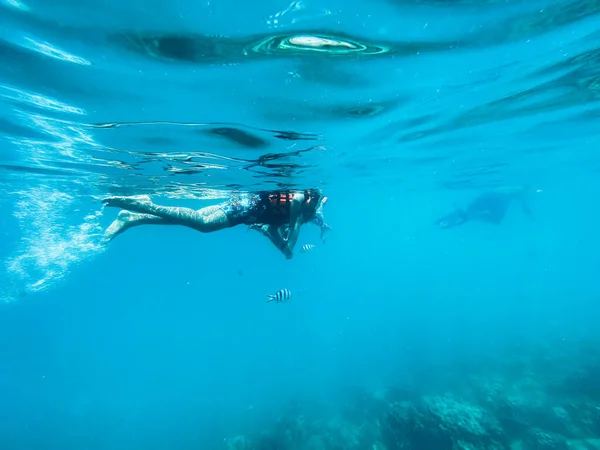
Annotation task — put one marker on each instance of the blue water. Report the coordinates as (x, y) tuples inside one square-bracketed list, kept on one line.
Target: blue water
[(163, 339)]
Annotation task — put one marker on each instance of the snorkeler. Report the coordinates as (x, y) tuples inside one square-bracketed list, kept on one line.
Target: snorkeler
[(489, 207), (277, 215)]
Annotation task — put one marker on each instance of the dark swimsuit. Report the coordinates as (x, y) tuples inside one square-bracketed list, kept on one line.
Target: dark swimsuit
[(241, 208)]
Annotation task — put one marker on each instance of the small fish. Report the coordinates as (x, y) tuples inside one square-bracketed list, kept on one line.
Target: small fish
[(280, 296), (307, 248)]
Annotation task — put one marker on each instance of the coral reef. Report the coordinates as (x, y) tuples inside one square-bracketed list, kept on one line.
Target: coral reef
[(543, 398)]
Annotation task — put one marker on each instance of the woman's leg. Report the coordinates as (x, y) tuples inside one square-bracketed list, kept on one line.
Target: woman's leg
[(126, 220), (205, 220)]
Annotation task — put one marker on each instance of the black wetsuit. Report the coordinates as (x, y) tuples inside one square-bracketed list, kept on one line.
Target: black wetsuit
[(489, 207)]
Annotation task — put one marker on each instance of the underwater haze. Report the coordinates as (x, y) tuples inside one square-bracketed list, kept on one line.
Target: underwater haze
[(454, 304)]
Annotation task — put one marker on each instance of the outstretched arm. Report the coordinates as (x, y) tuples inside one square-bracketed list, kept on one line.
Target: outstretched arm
[(521, 194), (295, 220), (524, 200), (272, 232), (319, 220)]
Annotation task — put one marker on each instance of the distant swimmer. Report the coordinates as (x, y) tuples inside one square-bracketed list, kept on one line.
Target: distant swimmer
[(277, 214), (489, 207)]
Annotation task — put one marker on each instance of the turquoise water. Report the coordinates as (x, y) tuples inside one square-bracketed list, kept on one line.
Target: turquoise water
[(399, 335)]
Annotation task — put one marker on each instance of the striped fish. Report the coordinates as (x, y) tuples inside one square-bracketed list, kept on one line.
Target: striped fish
[(280, 296), (307, 248)]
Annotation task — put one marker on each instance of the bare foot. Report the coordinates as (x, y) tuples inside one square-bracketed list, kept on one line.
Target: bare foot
[(120, 224), (126, 202)]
